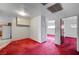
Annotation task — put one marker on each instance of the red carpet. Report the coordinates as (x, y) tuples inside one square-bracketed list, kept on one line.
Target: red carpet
[(30, 47)]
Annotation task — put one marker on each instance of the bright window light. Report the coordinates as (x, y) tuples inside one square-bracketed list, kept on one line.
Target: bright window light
[(22, 13), (52, 21), (51, 27), (73, 25)]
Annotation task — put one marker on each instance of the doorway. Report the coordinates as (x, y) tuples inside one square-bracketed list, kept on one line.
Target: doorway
[(69, 32)]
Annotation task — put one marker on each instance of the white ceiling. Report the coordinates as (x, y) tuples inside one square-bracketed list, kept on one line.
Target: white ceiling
[(7, 10), (69, 9)]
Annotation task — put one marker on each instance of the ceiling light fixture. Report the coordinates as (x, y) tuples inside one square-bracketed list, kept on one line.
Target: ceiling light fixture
[(22, 13)]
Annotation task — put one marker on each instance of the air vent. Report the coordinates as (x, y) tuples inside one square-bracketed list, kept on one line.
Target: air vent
[(55, 8), (43, 3)]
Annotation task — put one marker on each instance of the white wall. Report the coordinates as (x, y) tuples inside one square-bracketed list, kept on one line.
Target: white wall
[(20, 31), (38, 29), (5, 20), (68, 30), (43, 29), (35, 28), (58, 32)]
